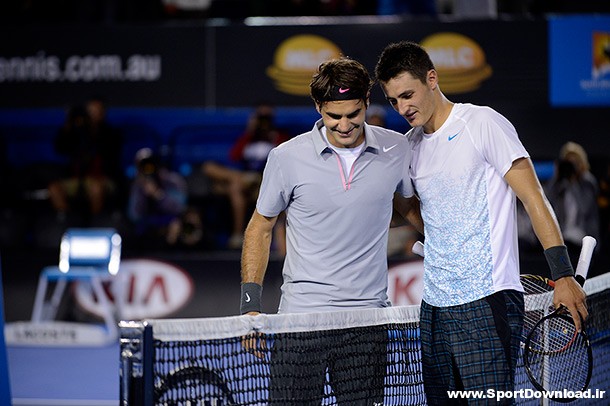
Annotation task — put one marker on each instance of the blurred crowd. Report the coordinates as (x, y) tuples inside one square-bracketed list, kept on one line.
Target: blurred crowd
[(154, 206), (580, 199), (117, 11)]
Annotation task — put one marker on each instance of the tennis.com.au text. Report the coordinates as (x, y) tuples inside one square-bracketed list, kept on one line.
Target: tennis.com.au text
[(527, 394)]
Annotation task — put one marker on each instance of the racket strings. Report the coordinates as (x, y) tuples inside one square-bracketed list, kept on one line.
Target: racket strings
[(558, 357), (554, 335), (538, 300)]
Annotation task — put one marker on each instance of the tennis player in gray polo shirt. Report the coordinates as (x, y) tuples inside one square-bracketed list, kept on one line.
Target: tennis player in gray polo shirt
[(336, 184)]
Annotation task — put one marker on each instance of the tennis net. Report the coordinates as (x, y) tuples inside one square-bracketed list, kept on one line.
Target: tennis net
[(352, 357)]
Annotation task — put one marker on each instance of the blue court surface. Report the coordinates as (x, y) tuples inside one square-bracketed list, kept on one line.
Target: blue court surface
[(64, 376)]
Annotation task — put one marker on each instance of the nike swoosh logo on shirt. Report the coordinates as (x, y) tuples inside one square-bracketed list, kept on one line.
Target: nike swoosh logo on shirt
[(452, 136), (386, 149)]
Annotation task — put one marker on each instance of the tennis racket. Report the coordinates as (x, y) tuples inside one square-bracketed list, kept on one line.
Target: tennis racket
[(418, 248), (538, 300), (556, 356), (192, 385)]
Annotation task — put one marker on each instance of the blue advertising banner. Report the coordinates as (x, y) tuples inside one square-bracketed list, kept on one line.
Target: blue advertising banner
[(579, 60)]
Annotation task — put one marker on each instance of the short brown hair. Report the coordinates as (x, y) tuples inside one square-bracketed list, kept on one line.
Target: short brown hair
[(340, 79)]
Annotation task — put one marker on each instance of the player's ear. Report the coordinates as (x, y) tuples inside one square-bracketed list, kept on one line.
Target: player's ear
[(432, 79)]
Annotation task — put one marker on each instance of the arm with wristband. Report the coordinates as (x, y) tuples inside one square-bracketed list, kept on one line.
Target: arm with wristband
[(254, 261), (523, 180)]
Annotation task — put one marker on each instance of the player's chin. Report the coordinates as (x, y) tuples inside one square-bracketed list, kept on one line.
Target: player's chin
[(344, 139), (413, 122), (412, 119), (349, 142)]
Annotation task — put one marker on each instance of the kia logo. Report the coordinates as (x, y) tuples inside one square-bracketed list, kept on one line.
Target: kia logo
[(405, 283), (144, 288)]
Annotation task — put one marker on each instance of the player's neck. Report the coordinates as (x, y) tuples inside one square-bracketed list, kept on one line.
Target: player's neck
[(441, 114)]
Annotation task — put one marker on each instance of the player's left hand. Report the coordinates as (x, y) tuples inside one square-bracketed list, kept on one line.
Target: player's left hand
[(570, 294)]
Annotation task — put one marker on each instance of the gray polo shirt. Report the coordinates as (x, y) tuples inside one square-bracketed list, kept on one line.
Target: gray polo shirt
[(337, 226)]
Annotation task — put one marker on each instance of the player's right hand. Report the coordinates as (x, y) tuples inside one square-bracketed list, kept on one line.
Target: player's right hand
[(255, 342)]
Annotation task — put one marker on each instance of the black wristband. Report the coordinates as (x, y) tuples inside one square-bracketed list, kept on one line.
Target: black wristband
[(250, 297), (559, 262)]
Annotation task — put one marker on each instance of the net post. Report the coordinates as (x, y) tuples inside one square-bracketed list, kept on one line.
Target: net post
[(147, 364), (136, 364)]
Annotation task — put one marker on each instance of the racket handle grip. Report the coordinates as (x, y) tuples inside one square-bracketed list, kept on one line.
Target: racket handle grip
[(584, 260), (418, 248)]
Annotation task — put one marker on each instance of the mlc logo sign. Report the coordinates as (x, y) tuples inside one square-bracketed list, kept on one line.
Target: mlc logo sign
[(459, 60), (296, 60)]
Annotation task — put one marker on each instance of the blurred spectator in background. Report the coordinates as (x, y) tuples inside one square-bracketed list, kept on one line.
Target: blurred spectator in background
[(157, 202), (573, 192), (108, 12), (603, 202), (240, 183), (187, 8), (93, 148), (376, 115)]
